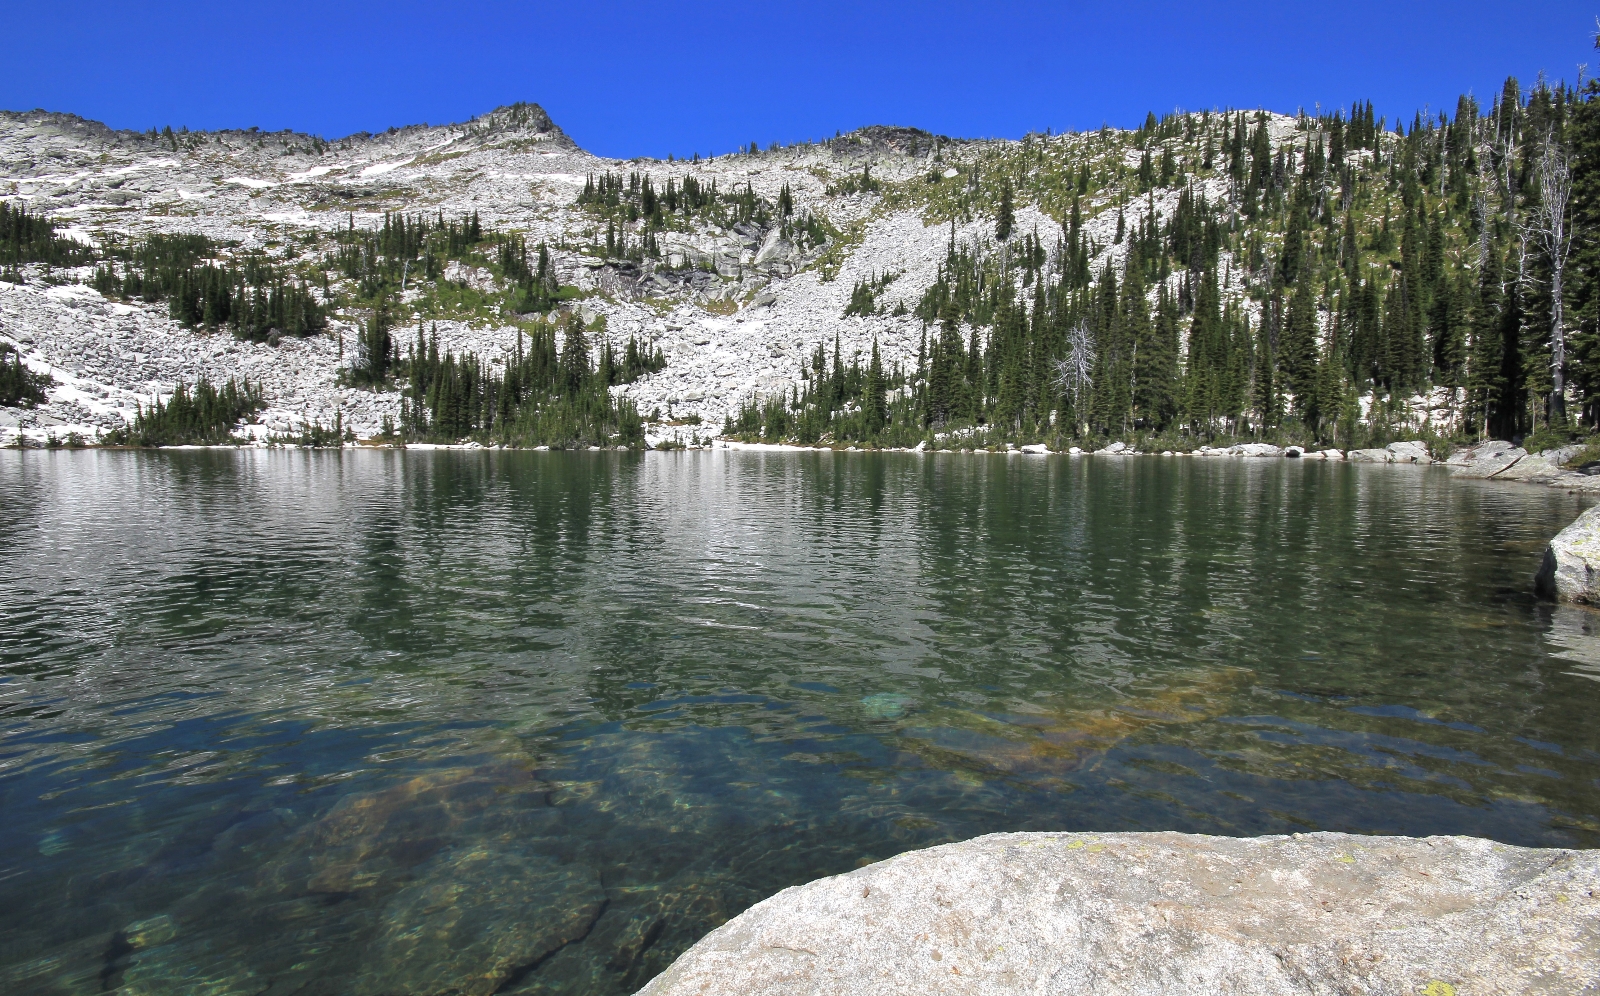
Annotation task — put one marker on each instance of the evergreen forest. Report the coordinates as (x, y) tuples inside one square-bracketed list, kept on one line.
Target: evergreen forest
[(1330, 278), (1342, 284), (18, 384), (203, 415)]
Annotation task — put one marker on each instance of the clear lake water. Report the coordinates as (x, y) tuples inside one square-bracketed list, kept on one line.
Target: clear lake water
[(414, 723)]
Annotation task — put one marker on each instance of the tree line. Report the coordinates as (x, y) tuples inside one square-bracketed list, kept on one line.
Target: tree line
[(635, 211), (18, 384), (1357, 279), (554, 390), (254, 299), (202, 415)]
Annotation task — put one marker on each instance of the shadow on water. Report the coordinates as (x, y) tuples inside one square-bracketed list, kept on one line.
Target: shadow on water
[(377, 722)]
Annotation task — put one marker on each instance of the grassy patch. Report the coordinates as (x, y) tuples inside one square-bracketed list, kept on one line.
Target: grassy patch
[(839, 250)]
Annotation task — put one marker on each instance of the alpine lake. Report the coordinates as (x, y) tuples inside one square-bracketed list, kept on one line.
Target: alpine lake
[(382, 722)]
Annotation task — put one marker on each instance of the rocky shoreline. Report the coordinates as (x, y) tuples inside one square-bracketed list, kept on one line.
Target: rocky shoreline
[(1492, 460), (1125, 913)]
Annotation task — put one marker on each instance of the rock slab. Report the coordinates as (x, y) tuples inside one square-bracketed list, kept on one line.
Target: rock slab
[(1542, 466), (1139, 913), (1414, 451), (1571, 568), (1370, 456), (1486, 459)]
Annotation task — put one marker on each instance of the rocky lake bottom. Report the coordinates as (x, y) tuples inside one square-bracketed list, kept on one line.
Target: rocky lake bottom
[(283, 722)]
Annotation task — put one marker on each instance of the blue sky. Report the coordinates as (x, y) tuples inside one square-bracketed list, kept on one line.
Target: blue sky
[(629, 79)]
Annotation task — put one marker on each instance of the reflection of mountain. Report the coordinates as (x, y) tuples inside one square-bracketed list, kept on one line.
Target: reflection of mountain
[(274, 709)]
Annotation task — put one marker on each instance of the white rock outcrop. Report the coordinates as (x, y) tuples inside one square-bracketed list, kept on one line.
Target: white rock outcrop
[(1540, 466), (1255, 450), (1370, 456), (1485, 459), (1414, 451), (1137, 913), (1571, 568)]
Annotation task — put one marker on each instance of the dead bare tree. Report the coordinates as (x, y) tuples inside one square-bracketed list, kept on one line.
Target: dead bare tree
[(1074, 373), (1486, 177), (1551, 228)]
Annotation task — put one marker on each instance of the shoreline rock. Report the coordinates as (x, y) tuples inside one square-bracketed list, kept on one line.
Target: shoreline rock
[(1130, 913), (1498, 460), (1570, 571), (1484, 460)]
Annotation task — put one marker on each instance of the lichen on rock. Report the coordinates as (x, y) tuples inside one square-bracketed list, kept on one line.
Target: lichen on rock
[(1132, 913), (1571, 568)]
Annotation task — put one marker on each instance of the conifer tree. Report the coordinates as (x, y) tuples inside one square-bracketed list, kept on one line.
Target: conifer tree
[(1298, 356), (1005, 218), (874, 405), (1264, 394), (377, 347), (1155, 361), (574, 354), (1207, 362)]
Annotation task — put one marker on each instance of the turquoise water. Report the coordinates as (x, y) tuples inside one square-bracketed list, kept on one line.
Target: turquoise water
[(377, 722)]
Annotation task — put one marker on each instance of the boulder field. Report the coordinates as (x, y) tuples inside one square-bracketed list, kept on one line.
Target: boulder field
[(1140, 913)]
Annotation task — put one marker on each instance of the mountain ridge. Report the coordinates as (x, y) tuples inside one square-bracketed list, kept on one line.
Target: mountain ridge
[(741, 270)]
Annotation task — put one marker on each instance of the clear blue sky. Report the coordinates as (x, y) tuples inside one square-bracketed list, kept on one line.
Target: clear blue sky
[(688, 76)]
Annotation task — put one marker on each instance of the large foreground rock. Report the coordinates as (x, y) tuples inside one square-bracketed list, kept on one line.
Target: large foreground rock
[(1571, 568), (1141, 913)]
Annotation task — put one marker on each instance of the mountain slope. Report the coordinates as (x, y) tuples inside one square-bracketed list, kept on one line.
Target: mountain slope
[(773, 274)]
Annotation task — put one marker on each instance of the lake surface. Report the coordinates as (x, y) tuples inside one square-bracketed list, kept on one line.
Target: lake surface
[(378, 722)]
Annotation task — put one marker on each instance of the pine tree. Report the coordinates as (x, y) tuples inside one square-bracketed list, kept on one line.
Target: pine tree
[(972, 393), (1264, 395), (377, 347), (1484, 387), (1207, 363), (574, 355), (1298, 356), (874, 405), (1005, 218), (1155, 362)]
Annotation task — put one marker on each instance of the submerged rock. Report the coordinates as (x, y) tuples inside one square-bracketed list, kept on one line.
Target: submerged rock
[(372, 840), (194, 967), (886, 705), (1170, 912), (1571, 568), (480, 920)]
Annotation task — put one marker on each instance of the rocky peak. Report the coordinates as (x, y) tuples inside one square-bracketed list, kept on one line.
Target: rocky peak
[(519, 120)]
